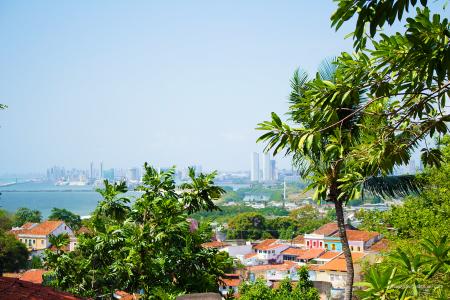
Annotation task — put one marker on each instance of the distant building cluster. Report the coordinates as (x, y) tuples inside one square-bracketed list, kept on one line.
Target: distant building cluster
[(269, 170)]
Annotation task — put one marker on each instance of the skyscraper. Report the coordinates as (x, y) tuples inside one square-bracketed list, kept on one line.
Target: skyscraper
[(267, 167), (101, 170), (91, 171), (273, 169), (254, 171)]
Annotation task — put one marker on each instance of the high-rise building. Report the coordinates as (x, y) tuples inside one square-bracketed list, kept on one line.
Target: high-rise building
[(267, 167), (254, 171), (91, 171), (101, 170), (273, 168), (133, 174)]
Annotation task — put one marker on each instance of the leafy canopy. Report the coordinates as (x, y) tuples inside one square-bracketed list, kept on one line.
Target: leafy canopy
[(147, 245)]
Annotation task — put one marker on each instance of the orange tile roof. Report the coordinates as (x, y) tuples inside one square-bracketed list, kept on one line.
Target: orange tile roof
[(250, 255), (83, 229), (329, 255), (293, 251), (264, 243), (28, 225), (34, 275), (360, 235), (381, 245), (15, 289), (44, 228), (311, 253), (339, 264), (126, 296), (270, 247), (284, 266), (214, 244), (330, 228), (299, 239)]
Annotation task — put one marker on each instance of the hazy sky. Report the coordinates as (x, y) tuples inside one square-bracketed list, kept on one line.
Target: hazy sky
[(168, 82)]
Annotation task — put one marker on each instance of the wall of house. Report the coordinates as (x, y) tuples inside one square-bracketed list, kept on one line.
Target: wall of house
[(234, 251), (333, 245), (33, 242), (356, 246)]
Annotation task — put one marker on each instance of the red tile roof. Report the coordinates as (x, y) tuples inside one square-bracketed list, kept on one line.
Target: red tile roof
[(44, 228), (34, 276), (330, 228), (293, 251), (214, 244), (250, 255), (329, 255), (83, 229), (339, 264), (381, 245), (311, 253), (299, 239), (126, 296), (265, 243), (284, 266), (360, 235), (15, 289)]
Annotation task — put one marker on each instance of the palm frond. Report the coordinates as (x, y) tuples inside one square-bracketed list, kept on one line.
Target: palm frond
[(392, 186), (327, 69)]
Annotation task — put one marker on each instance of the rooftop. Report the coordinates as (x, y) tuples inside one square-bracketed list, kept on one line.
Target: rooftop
[(214, 244), (330, 228), (339, 264), (34, 275), (281, 267), (264, 244), (329, 255), (381, 245), (360, 235), (44, 228), (299, 239), (15, 289)]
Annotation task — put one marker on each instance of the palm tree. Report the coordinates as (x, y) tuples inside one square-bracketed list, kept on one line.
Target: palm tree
[(330, 144)]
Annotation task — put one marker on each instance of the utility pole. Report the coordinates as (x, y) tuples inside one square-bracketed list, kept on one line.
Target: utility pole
[(284, 193)]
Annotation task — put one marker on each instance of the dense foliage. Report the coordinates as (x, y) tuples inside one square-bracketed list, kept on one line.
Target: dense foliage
[(303, 289), (24, 215), (254, 225), (145, 246), (13, 253), (71, 219)]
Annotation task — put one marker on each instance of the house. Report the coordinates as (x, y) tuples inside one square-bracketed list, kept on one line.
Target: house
[(301, 256), (316, 239), (229, 282), (326, 257), (234, 250), (335, 272), (358, 240), (268, 251), (299, 241), (36, 235), (273, 272)]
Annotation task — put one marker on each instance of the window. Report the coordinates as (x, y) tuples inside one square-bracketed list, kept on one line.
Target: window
[(273, 251), (314, 244), (326, 246), (331, 277), (42, 242), (34, 241), (333, 246), (321, 245), (21, 240), (65, 227), (351, 248), (359, 248)]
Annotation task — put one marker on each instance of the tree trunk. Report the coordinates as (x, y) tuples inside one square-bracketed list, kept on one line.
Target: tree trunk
[(346, 248)]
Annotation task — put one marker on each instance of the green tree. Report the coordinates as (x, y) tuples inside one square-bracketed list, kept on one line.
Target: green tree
[(146, 245), (6, 220), (421, 273), (35, 263), (258, 290), (13, 253), (246, 226), (24, 215), (329, 156), (71, 219)]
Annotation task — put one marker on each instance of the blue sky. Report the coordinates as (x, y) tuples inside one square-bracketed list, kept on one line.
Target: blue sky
[(168, 82)]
